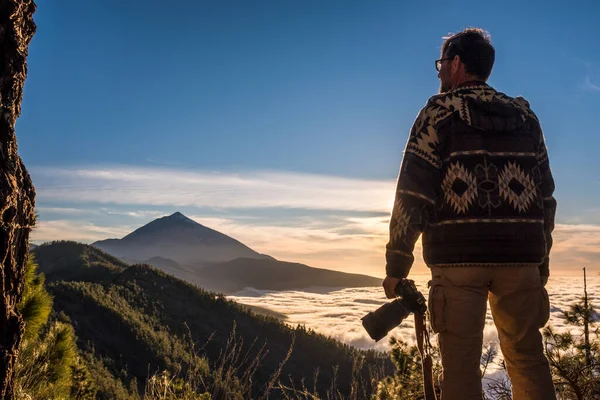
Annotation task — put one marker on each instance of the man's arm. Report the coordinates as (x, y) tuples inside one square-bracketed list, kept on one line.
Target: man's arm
[(547, 191), (415, 194)]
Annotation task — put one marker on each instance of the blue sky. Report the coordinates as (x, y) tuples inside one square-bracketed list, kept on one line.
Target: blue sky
[(282, 123)]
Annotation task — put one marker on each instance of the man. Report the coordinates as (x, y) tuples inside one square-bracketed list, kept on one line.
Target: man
[(476, 183)]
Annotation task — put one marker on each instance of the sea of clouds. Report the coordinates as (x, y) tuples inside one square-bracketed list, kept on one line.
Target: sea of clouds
[(337, 312)]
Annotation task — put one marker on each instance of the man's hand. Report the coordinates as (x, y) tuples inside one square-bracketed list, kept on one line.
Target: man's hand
[(389, 285), (544, 280)]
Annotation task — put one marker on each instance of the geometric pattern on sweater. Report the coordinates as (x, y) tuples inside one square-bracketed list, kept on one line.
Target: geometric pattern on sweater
[(405, 225), (424, 140), (460, 187), (457, 101), (401, 220), (517, 187), (487, 93), (487, 186), (452, 104), (542, 156), (423, 143), (490, 188)]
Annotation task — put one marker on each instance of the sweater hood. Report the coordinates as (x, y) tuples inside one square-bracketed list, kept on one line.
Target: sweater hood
[(484, 108)]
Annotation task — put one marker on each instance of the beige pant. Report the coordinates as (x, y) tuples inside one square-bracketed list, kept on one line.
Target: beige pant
[(520, 307)]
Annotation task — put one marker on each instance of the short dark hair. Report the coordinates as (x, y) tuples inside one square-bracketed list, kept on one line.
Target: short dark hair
[(474, 47)]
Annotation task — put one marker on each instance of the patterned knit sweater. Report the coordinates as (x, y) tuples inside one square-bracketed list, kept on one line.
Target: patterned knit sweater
[(475, 181)]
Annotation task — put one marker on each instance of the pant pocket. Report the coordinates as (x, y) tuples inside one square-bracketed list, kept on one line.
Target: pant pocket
[(436, 303), (544, 315)]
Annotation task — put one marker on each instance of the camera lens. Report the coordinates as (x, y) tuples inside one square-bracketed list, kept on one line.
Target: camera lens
[(384, 319)]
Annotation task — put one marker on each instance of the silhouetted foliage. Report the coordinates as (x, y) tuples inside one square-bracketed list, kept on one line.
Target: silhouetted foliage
[(407, 382), (574, 357)]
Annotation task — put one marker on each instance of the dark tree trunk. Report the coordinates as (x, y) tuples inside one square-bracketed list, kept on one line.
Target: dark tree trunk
[(17, 195)]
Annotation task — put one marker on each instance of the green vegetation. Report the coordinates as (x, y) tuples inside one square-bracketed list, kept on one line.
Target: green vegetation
[(407, 382), (49, 366), (142, 331)]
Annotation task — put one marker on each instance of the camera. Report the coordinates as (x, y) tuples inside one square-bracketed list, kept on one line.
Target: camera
[(379, 322)]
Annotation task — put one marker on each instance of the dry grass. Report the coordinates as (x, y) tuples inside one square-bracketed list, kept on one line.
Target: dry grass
[(231, 378)]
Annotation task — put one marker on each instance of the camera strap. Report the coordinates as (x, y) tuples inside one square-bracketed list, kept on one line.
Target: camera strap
[(424, 346)]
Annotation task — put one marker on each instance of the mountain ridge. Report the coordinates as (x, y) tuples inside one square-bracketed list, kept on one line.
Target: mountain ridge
[(276, 275), (160, 242)]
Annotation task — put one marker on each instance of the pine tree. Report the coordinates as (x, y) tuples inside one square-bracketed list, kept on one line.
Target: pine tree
[(575, 358), (49, 366), (407, 383)]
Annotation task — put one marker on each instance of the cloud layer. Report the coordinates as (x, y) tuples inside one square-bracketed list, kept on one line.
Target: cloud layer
[(337, 314), (160, 187), (322, 221)]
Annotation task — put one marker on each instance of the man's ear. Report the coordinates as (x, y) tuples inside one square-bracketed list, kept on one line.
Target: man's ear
[(455, 66)]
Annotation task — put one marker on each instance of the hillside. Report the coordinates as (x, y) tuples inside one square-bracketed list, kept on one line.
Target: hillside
[(272, 274), (139, 320), (70, 261)]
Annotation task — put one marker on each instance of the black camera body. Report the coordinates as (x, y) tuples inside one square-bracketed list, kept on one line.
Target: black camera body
[(379, 322)]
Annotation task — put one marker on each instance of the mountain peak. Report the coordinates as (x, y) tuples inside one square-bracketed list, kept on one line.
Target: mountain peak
[(178, 217), (179, 238), (177, 214), (176, 223)]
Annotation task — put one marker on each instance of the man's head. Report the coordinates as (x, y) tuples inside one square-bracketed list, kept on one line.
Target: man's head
[(466, 56)]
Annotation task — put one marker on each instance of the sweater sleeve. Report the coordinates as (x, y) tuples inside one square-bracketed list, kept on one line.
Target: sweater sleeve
[(415, 194), (547, 192)]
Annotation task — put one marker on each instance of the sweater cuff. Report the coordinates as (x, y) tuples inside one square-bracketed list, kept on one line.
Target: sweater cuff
[(398, 263), (398, 267)]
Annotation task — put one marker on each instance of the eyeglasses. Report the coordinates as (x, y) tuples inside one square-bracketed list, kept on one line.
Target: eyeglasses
[(438, 63)]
